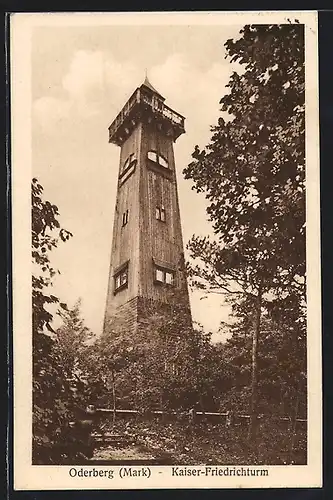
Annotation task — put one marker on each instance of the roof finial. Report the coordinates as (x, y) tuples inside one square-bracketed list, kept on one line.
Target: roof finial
[(146, 80), (148, 85)]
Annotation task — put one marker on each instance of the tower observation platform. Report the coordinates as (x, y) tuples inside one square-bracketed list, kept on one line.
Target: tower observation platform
[(145, 104)]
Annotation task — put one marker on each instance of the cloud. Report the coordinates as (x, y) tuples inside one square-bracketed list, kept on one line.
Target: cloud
[(124, 76), (173, 74), (97, 71), (193, 92), (51, 111), (93, 79), (85, 74)]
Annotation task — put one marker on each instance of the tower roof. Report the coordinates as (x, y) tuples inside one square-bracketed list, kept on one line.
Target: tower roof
[(149, 86)]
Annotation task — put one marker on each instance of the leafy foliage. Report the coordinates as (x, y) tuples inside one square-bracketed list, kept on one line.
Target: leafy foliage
[(107, 359), (44, 225), (176, 366), (253, 175), (51, 393), (72, 342), (253, 170)]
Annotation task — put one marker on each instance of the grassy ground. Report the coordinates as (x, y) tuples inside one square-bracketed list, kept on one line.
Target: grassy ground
[(215, 444)]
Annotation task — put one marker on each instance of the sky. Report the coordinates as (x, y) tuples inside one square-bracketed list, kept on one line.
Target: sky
[(81, 78)]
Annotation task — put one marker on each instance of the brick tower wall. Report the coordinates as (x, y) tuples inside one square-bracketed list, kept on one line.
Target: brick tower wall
[(140, 312)]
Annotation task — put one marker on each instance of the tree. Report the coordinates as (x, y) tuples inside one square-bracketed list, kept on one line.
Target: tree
[(44, 226), (253, 175), (107, 358), (72, 341), (281, 362), (177, 366), (51, 394)]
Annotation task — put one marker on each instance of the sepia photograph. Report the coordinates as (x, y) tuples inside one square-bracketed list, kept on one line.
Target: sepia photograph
[(166, 250)]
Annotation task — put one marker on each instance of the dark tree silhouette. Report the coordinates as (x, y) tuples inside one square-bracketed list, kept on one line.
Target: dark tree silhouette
[(253, 175)]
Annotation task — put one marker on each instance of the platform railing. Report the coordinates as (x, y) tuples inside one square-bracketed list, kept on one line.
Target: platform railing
[(140, 97)]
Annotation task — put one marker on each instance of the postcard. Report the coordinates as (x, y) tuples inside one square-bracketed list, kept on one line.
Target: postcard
[(166, 250)]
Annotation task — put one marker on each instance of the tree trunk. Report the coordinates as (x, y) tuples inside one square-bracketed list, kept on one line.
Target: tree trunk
[(113, 396), (254, 379), (197, 377), (294, 424), (163, 417)]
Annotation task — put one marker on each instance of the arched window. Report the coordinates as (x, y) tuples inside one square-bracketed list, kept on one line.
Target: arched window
[(163, 162), (157, 158), (128, 168), (127, 162), (152, 156), (130, 162)]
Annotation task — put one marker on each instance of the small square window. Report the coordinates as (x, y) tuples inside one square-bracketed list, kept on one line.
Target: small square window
[(159, 275), (169, 278), (160, 213), (121, 279), (164, 276)]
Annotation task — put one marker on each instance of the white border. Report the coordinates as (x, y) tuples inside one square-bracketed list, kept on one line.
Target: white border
[(27, 476)]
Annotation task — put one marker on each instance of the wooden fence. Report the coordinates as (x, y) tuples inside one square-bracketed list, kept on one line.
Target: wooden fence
[(228, 418)]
